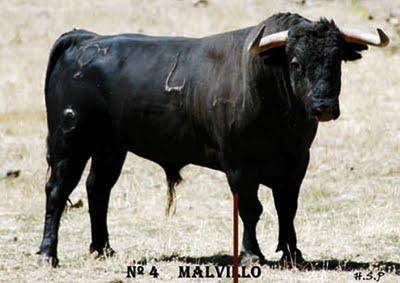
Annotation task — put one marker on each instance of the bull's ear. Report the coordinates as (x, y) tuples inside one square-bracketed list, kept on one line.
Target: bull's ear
[(352, 51), (276, 56)]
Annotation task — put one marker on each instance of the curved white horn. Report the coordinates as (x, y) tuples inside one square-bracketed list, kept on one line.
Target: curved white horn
[(356, 36), (261, 44)]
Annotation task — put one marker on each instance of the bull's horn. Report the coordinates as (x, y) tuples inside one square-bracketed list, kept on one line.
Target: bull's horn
[(356, 36), (261, 44)]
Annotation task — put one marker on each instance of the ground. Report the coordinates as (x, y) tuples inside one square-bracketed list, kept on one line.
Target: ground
[(349, 202)]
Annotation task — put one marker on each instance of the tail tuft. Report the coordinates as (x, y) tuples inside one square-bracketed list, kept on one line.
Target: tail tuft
[(173, 179)]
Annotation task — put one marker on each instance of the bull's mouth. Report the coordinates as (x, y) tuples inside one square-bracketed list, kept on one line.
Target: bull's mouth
[(319, 115), (320, 119)]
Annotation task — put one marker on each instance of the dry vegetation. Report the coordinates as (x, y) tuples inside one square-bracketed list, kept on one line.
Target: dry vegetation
[(349, 204)]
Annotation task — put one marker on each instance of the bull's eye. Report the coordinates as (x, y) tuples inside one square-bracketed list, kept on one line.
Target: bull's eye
[(295, 65)]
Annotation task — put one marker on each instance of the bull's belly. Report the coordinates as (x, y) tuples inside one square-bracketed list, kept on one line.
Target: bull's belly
[(160, 149), (163, 143), (272, 167)]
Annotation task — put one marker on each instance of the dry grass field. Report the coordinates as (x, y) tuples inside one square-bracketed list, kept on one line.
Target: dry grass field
[(349, 206)]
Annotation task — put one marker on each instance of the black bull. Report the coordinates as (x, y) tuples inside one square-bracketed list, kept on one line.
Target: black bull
[(236, 102)]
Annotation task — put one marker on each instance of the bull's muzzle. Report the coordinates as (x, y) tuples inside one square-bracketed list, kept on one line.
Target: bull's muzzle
[(324, 112)]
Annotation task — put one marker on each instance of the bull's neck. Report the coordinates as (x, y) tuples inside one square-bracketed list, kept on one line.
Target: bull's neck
[(267, 94)]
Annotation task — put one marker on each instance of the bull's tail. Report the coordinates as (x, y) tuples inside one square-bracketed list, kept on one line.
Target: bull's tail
[(173, 179)]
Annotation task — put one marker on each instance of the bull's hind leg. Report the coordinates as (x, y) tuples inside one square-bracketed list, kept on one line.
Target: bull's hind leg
[(250, 210), (65, 175), (104, 172)]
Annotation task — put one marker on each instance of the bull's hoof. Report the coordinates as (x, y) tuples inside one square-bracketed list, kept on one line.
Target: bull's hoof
[(248, 258), (44, 257), (293, 260), (102, 252)]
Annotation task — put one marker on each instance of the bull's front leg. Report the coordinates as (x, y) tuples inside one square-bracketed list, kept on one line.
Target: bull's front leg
[(65, 175), (250, 210), (285, 198)]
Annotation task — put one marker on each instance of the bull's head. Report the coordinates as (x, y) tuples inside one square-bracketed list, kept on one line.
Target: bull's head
[(314, 52)]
